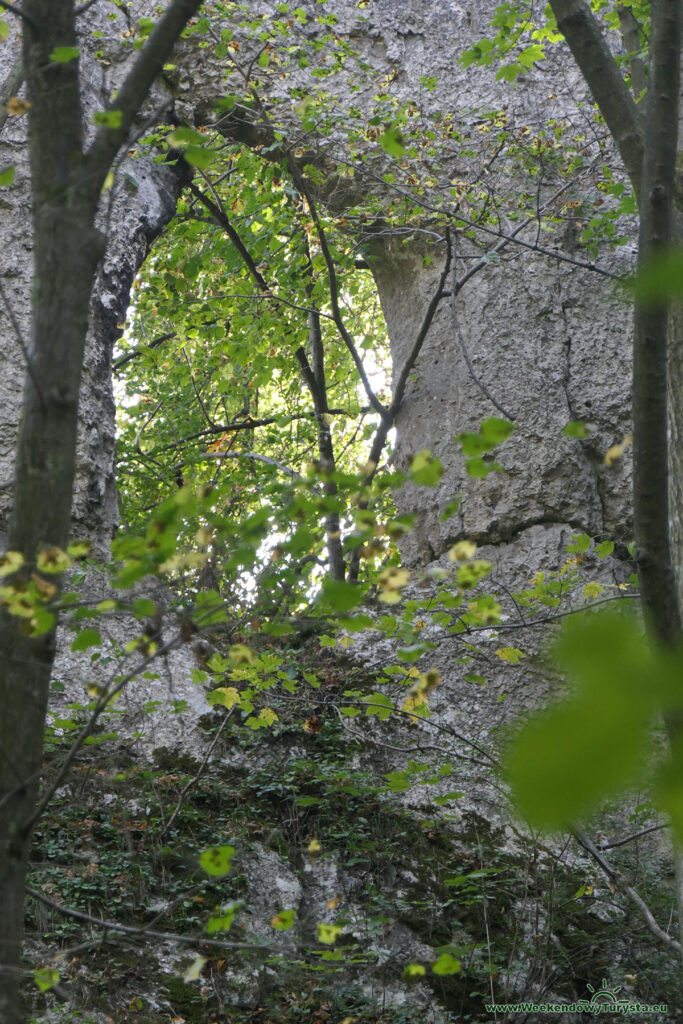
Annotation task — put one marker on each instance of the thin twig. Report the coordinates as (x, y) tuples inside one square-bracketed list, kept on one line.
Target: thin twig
[(22, 344), (630, 839), (256, 456), (144, 932), (20, 14), (619, 883), (82, 8), (456, 326), (197, 776), (10, 87), (103, 702)]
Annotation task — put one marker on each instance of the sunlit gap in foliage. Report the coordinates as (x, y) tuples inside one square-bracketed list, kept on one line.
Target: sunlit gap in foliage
[(211, 397)]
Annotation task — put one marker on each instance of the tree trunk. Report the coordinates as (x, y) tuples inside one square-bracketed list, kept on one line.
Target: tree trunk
[(66, 183)]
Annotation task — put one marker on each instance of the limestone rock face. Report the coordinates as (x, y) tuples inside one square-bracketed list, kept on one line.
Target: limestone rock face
[(551, 345), (549, 342)]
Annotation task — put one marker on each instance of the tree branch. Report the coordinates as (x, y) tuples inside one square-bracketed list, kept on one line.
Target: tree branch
[(619, 883), (142, 931), (20, 14), (334, 288), (411, 359), (10, 87), (587, 43), (132, 93)]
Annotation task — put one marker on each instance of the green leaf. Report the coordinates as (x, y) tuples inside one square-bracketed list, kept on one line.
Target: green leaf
[(380, 705), (470, 573), (604, 549), (342, 596), (446, 964), (222, 922), (473, 444), (357, 622), (528, 57), (64, 54), (580, 543), (509, 72), (4, 30), (199, 156), (576, 428), (217, 860), (494, 430), (86, 638), (398, 782), (144, 608), (565, 762), (184, 136), (108, 118), (284, 920), (450, 510), (478, 468), (426, 469), (392, 142), (7, 176), (46, 978)]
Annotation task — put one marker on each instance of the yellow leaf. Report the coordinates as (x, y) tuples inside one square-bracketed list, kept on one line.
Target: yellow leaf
[(333, 903), (511, 654), (389, 596), (242, 655), (315, 846), (17, 107), (228, 696), (328, 933), (10, 562), (463, 550), (345, 641), (616, 451), (45, 589), (52, 560), (267, 715), (393, 578), (593, 590), (415, 706), (193, 972)]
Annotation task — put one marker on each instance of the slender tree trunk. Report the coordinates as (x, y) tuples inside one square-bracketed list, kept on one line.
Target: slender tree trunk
[(649, 152), (66, 182), (657, 356)]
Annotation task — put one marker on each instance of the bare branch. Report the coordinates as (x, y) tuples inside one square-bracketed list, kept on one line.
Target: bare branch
[(114, 926), (619, 883), (10, 87), (13, 9), (411, 358), (586, 40), (198, 774), (21, 342), (455, 288), (132, 93)]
